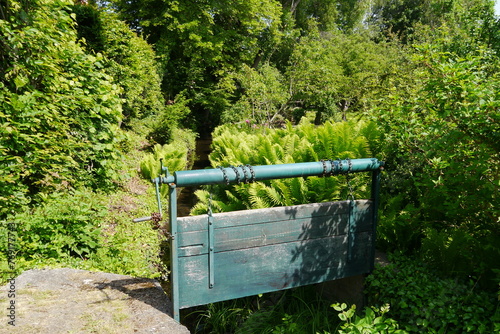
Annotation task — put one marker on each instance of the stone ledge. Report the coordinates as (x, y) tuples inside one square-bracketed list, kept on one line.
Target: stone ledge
[(78, 301)]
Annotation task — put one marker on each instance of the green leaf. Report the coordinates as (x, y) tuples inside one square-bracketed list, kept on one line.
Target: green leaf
[(20, 81)]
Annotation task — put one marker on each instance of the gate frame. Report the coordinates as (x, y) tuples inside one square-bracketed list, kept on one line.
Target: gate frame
[(249, 173)]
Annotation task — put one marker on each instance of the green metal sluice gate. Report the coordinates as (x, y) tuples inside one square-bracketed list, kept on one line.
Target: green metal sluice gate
[(221, 256)]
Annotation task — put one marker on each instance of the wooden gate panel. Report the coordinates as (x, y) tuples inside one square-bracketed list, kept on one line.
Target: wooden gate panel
[(258, 251), (252, 271)]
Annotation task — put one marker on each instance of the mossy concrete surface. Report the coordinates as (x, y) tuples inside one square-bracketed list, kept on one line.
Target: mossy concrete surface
[(78, 301)]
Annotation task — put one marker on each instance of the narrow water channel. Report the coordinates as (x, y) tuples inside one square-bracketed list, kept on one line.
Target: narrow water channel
[(187, 199)]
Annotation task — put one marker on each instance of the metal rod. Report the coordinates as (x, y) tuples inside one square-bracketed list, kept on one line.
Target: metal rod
[(158, 197), (375, 196), (211, 251), (142, 219), (174, 259), (268, 172)]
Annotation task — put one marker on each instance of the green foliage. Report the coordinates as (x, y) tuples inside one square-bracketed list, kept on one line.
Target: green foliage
[(127, 248), (464, 92), (90, 27), (59, 111), (422, 301), (373, 320), (335, 73), (79, 230), (302, 143), (87, 230), (64, 225), (457, 251), (330, 15), (468, 27), (223, 317), (441, 148), (201, 42), (176, 156), (263, 98), (398, 229), (175, 159), (129, 60), (406, 18), (294, 311), (164, 123), (297, 311), (132, 63), (302, 312)]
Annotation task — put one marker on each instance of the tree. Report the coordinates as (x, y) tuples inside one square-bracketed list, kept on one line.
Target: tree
[(129, 60), (59, 111), (441, 148), (263, 96), (201, 42), (339, 72), (404, 18), (330, 15)]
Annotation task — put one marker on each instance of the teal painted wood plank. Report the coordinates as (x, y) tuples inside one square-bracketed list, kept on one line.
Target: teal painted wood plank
[(273, 232), (239, 237), (269, 268), (257, 216)]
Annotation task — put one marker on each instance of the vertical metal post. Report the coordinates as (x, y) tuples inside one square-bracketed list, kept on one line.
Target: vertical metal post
[(211, 251), (375, 196), (174, 259), (351, 232), (158, 196)]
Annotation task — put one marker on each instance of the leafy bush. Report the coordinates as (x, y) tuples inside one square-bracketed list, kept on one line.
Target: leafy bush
[(302, 143), (422, 301), (176, 156), (455, 252), (440, 143), (263, 98), (127, 248), (340, 73), (59, 111), (165, 123), (373, 321), (88, 230), (64, 225), (128, 59)]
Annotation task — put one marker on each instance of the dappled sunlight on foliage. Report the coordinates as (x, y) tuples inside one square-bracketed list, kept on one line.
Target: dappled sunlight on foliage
[(95, 93), (441, 147), (60, 111), (421, 300), (302, 143)]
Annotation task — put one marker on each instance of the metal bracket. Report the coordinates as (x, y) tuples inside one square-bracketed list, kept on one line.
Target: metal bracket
[(210, 250)]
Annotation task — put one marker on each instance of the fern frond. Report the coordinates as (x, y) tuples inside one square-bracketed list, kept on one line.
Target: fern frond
[(301, 143), (257, 198)]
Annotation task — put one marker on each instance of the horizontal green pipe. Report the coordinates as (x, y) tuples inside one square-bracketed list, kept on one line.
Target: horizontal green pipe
[(268, 172)]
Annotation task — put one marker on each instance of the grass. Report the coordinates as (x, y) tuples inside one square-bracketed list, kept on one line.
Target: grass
[(125, 247), (299, 310)]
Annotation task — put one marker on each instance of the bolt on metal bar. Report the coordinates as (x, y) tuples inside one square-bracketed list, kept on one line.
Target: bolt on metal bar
[(267, 172)]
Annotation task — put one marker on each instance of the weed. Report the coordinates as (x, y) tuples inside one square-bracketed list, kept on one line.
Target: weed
[(423, 301)]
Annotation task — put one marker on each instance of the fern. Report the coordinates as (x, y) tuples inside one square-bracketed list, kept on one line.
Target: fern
[(301, 143), (175, 155)]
